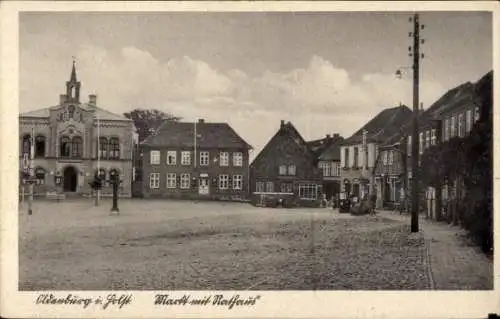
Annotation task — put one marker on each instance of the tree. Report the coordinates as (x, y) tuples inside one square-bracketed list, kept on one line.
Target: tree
[(149, 120)]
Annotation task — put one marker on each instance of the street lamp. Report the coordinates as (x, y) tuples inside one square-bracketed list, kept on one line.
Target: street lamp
[(114, 179)]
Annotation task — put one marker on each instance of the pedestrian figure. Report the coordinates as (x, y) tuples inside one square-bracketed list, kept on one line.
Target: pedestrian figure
[(372, 202)]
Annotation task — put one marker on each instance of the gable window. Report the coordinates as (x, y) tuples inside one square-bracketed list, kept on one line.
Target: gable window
[(468, 121), (114, 148), (346, 157), (308, 191), (103, 147), (270, 187), (223, 181), (237, 181), (461, 127), (40, 146), (40, 176), (154, 157), (238, 159), (224, 159), (204, 158), (356, 157), (452, 127), (171, 180), (154, 180), (64, 146), (282, 170), (291, 170), (427, 139), (171, 157), (433, 137), (259, 187), (186, 158)]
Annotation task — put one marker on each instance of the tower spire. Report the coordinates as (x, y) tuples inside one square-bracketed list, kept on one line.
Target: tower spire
[(73, 72)]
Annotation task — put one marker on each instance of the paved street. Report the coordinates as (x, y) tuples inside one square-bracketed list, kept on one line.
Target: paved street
[(181, 245)]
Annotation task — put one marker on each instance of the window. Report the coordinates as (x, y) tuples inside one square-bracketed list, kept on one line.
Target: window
[(427, 139), (385, 158), (26, 144), (40, 146), (186, 158), (433, 137), (421, 142), (346, 157), (336, 169), (308, 191), (356, 158), (446, 135), (461, 126), (270, 187), (238, 159), (468, 121), (224, 159), (171, 157), (154, 157), (204, 158), (326, 168), (223, 181), (476, 114), (408, 151), (40, 176), (391, 157), (65, 146), (114, 148), (237, 182), (171, 180), (259, 187), (154, 180), (103, 147), (452, 127), (76, 147), (185, 181), (286, 188), (282, 170), (291, 170)]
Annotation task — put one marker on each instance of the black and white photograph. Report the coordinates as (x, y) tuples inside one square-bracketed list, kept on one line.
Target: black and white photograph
[(253, 151)]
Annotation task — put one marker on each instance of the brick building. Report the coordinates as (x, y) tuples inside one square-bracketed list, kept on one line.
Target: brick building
[(72, 140), (198, 160), (286, 169)]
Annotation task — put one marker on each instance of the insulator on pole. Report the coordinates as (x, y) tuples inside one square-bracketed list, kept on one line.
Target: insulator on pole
[(423, 25), (411, 19), (410, 34), (410, 54), (422, 41), (422, 55), (409, 48)]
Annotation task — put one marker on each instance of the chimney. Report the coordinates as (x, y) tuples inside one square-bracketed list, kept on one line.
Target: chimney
[(92, 100), (282, 123), (201, 121), (63, 98), (335, 135), (328, 136)]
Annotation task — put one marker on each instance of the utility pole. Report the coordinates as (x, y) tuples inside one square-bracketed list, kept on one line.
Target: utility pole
[(415, 140), (31, 172)]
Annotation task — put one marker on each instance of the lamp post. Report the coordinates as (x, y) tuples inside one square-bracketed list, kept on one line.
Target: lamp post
[(114, 179)]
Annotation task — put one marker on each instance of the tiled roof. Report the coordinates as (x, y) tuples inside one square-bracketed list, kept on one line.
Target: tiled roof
[(210, 135), (101, 113), (332, 152), (384, 125)]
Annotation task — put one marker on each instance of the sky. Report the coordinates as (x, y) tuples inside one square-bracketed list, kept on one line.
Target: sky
[(326, 72)]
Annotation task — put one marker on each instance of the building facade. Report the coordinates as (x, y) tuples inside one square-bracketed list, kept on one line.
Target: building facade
[(75, 140), (359, 152), (286, 169), (330, 165), (195, 161)]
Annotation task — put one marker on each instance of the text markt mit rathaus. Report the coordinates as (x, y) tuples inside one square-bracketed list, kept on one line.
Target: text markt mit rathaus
[(215, 300)]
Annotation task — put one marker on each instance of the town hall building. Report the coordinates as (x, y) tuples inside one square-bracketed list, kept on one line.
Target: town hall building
[(73, 141)]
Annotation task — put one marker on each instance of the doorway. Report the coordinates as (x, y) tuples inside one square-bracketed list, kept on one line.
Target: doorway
[(70, 178), (203, 188)]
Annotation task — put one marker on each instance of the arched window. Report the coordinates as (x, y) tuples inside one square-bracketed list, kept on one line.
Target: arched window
[(114, 148), (40, 146), (64, 147), (103, 147), (76, 147), (40, 176), (26, 144)]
